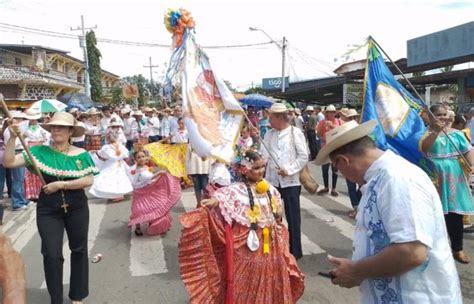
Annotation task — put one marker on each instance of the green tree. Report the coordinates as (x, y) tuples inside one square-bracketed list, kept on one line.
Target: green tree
[(117, 95), (255, 90), (95, 72)]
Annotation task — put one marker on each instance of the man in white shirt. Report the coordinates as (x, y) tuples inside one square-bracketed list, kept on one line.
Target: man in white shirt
[(153, 124), (108, 115), (19, 201), (173, 120), (127, 126), (287, 146), (401, 252)]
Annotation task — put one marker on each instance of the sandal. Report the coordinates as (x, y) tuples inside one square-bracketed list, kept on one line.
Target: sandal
[(461, 257), (334, 193), (138, 232), (322, 191)]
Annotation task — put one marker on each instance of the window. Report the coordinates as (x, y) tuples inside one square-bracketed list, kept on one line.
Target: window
[(17, 61)]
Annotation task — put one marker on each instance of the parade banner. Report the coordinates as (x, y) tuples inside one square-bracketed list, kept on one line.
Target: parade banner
[(213, 116), (400, 127)]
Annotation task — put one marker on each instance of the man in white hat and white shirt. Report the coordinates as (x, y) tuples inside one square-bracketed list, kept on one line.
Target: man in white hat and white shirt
[(288, 147), (19, 202), (401, 252), (127, 126)]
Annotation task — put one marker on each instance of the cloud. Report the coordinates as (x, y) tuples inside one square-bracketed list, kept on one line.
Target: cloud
[(455, 5)]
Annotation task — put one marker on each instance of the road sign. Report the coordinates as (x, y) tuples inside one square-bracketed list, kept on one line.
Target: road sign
[(274, 83)]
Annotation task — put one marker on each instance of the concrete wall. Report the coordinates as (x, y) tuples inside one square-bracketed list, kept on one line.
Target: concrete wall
[(448, 44)]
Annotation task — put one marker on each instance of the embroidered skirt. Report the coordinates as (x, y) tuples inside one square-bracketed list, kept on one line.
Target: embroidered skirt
[(32, 183)]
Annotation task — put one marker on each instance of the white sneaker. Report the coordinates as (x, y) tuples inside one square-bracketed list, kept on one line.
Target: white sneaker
[(20, 208)]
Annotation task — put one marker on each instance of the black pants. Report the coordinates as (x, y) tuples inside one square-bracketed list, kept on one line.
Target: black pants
[(51, 222), (325, 169), (455, 230), (154, 138), (312, 143), (129, 145), (291, 200)]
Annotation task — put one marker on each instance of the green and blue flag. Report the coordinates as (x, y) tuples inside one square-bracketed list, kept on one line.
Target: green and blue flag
[(400, 127)]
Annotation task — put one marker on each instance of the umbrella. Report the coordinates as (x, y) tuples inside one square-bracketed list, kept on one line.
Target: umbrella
[(48, 105), (257, 100), (77, 99), (79, 106)]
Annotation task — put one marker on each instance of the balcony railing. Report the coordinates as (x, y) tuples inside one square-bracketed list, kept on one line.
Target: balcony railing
[(48, 72)]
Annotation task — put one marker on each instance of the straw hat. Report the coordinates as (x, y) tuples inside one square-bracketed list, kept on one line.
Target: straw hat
[(298, 111), (137, 113), (32, 115), (351, 113), (309, 108), (73, 110), (330, 108), (277, 108), (93, 111), (125, 111), (343, 135), (65, 119), (18, 115), (147, 109), (115, 123), (167, 110)]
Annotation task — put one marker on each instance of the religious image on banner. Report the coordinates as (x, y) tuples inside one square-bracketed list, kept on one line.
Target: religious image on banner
[(213, 116), (391, 108)]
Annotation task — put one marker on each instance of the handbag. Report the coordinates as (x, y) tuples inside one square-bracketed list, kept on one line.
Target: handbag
[(308, 182)]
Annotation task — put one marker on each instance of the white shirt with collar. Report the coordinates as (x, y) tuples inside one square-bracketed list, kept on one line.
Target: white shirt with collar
[(289, 148), (153, 124), (401, 206)]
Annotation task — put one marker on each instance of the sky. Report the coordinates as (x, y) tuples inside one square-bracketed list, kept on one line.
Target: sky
[(319, 33)]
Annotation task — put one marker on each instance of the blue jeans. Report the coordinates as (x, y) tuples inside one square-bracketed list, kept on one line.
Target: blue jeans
[(2, 185), (354, 194), (18, 191)]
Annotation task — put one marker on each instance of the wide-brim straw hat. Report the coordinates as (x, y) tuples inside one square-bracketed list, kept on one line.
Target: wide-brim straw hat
[(343, 135), (67, 120), (330, 108), (349, 112), (93, 111), (298, 111), (125, 111), (277, 108), (116, 124), (137, 113), (309, 108), (32, 115), (18, 115)]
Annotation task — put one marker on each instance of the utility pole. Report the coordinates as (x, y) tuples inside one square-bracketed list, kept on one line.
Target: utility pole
[(151, 66), (283, 48), (83, 44)]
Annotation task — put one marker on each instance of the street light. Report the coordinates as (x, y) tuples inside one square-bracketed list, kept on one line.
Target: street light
[(282, 47)]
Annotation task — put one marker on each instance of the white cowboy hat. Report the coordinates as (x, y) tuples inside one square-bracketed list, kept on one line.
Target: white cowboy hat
[(137, 113), (278, 108), (309, 108), (349, 112), (298, 111), (343, 135), (93, 111), (125, 111), (18, 115), (64, 119), (330, 108), (32, 115), (115, 123)]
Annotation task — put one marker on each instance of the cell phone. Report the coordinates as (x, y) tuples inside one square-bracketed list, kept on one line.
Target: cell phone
[(326, 275)]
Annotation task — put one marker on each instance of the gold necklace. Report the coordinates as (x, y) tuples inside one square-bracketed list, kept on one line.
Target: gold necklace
[(66, 152)]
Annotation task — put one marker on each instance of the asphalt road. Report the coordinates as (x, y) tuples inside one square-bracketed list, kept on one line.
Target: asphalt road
[(145, 269)]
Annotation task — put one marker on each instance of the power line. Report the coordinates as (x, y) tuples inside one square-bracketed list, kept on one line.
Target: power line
[(24, 29)]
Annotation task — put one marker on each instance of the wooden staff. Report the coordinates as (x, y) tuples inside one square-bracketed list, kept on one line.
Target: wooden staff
[(427, 109), (23, 143)]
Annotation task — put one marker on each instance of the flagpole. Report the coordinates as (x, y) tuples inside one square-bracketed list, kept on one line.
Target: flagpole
[(417, 95), (23, 143), (261, 140)]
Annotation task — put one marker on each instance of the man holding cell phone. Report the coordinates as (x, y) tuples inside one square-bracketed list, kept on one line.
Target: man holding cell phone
[(401, 252)]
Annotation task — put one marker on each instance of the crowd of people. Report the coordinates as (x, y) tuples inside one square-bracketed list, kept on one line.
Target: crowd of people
[(408, 228)]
